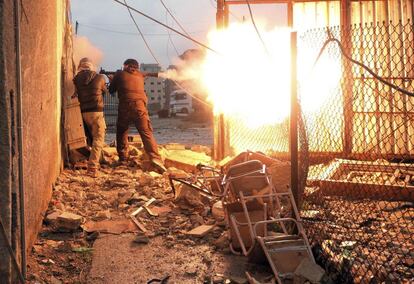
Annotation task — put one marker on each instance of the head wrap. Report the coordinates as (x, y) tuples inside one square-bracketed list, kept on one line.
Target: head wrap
[(85, 64)]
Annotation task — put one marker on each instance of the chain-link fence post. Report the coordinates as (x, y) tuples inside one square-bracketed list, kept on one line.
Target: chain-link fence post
[(294, 120)]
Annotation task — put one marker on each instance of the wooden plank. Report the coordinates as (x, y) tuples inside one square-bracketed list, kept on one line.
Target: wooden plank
[(201, 231), (74, 131)]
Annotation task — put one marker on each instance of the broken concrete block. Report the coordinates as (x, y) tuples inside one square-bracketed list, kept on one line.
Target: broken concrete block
[(52, 217), (201, 149), (174, 146), (218, 211), (109, 151), (141, 239), (134, 138), (68, 221), (109, 226), (185, 159), (238, 280), (103, 215), (201, 231), (155, 175), (310, 270), (145, 179), (197, 219), (161, 210), (133, 151), (190, 195), (222, 242), (176, 173)]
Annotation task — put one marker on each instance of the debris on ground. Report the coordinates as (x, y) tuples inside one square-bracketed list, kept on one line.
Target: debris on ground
[(200, 231), (130, 214), (85, 211)]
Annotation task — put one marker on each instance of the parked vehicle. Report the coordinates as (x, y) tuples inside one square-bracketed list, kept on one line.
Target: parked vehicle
[(180, 103)]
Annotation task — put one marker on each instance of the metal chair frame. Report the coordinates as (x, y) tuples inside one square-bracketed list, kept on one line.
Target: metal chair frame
[(273, 217), (200, 181)]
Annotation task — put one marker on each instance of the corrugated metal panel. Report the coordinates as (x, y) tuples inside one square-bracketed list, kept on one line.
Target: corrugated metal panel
[(327, 13)]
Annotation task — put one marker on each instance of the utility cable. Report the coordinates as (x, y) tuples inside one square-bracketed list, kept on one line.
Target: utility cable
[(129, 33), (142, 35), (10, 249), (166, 26), (169, 37), (174, 18), (149, 48), (332, 39), (255, 27)]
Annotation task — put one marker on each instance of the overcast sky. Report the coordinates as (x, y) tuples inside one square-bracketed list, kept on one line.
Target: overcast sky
[(109, 27)]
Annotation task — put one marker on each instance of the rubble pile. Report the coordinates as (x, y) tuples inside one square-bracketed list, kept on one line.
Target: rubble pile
[(85, 208), (366, 239), (180, 226)]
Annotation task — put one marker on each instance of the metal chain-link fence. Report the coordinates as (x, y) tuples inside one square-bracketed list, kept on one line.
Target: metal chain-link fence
[(111, 111), (358, 204), (356, 149)]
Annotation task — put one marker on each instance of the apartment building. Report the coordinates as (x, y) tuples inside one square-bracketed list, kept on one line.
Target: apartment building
[(154, 88)]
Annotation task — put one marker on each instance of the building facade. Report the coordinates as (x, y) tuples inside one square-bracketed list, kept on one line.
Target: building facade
[(154, 88), (34, 56)]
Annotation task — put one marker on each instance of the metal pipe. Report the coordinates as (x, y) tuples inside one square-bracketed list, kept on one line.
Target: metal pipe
[(11, 252), (20, 135), (294, 120)]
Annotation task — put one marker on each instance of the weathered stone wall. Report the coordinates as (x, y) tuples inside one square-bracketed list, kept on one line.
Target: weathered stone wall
[(41, 107), (42, 24), (7, 127)]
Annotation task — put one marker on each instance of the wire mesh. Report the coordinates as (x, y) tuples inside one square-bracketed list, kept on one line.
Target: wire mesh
[(111, 111), (356, 149), (358, 204)]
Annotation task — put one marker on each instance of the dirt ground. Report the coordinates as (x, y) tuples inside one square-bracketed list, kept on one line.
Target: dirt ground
[(175, 130)]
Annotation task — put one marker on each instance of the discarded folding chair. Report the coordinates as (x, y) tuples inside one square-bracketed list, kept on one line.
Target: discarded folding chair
[(206, 180), (246, 201), (256, 215)]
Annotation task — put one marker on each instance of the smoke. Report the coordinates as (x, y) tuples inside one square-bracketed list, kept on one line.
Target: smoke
[(82, 47), (187, 73)]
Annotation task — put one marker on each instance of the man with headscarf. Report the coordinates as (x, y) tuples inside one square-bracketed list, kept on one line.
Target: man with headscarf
[(90, 88), (129, 83)]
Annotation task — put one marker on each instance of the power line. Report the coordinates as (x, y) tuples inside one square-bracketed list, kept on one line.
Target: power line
[(131, 33), (169, 37), (173, 17), (142, 35), (149, 48), (166, 26), (255, 26)]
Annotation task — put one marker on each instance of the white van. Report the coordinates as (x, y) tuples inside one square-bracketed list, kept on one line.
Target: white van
[(180, 103)]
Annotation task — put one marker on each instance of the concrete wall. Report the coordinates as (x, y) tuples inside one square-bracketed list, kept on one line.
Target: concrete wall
[(41, 69), (42, 24), (7, 89)]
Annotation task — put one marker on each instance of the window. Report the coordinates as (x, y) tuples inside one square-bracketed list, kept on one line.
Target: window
[(158, 83), (152, 91), (152, 98), (180, 96), (152, 83)]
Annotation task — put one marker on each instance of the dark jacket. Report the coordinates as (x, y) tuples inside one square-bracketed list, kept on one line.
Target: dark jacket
[(129, 85), (90, 88)]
